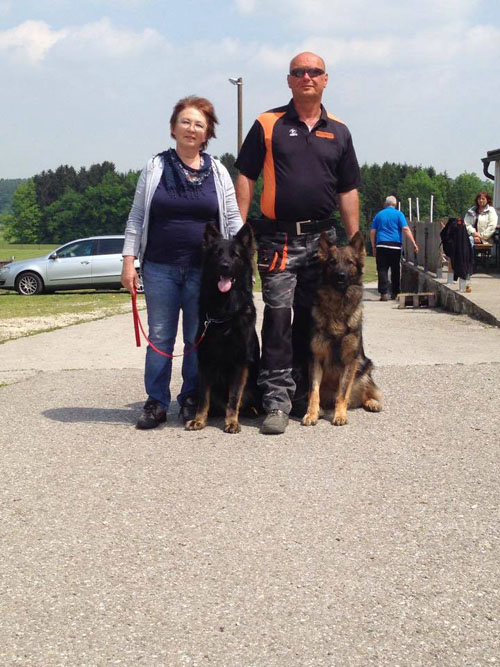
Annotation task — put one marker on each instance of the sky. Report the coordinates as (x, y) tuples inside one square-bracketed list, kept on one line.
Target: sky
[(85, 81)]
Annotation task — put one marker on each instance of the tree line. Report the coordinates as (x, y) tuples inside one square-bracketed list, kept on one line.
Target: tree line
[(7, 188), (60, 205)]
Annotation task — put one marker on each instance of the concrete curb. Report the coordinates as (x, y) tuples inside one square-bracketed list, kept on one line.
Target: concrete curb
[(482, 304)]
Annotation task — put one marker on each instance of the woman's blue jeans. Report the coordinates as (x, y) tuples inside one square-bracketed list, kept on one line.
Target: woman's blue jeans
[(168, 290)]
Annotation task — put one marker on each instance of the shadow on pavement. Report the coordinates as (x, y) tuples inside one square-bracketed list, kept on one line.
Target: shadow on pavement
[(71, 414), (91, 415)]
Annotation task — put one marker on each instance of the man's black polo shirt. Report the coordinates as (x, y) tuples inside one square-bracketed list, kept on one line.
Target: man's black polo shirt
[(303, 170)]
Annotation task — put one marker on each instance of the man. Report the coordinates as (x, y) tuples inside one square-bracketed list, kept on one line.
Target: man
[(309, 168), (386, 240)]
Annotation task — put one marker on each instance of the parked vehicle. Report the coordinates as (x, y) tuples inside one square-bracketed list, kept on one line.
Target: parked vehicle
[(90, 263)]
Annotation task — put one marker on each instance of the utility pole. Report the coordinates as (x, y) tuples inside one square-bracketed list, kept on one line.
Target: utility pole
[(239, 84)]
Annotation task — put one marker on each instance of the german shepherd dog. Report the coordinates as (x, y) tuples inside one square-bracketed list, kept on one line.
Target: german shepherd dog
[(340, 374), (228, 355)]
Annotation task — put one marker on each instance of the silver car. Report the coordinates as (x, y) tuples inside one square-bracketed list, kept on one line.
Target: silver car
[(94, 262)]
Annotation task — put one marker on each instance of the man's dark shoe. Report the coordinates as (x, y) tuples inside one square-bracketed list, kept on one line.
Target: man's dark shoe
[(153, 414), (188, 409), (384, 297), (275, 423)]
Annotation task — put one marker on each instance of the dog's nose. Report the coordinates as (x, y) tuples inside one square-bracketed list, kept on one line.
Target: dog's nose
[(224, 268)]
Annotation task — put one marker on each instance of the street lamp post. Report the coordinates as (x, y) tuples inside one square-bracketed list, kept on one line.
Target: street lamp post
[(239, 83)]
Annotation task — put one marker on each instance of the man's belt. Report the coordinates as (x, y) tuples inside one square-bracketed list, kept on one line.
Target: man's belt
[(297, 228)]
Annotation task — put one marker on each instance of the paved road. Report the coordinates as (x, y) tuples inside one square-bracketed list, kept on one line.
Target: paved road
[(375, 543)]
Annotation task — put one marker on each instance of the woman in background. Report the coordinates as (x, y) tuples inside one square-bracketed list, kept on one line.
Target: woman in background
[(178, 192), (481, 219)]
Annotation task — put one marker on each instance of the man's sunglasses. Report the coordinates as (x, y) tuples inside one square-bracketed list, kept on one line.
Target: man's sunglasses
[(300, 72)]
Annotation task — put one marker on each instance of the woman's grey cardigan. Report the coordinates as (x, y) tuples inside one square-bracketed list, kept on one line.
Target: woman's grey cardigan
[(136, 230)]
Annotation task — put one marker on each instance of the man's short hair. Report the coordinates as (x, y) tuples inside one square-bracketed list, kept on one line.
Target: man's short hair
[(391, 201)]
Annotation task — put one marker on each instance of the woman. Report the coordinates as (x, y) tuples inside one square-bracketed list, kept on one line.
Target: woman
[(178, 193), (481, 219)]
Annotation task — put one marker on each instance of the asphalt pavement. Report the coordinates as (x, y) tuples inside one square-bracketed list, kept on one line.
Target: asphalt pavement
[(374, 543)]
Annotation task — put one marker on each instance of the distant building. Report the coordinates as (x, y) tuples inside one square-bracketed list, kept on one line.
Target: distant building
[(493, 156)]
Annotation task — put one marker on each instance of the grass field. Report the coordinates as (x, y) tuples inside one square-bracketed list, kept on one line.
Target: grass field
[(84, 302), (23, 251), (370, 270), (61, 303)]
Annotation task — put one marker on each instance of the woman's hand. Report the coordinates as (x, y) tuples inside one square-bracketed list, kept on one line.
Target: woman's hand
[(129, 277)]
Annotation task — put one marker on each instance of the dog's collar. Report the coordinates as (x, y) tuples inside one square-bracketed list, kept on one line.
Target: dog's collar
[(213, 320)]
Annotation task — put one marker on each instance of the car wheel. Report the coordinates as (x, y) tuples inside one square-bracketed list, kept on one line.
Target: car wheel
[(29, 283)]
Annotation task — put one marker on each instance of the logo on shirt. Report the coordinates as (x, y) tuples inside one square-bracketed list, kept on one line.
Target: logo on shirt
[(293, 132), (325, 135)]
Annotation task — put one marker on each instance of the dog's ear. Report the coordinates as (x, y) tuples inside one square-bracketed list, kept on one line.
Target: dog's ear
[(358, 243), (211, 233), (324, 247), (245, 237)]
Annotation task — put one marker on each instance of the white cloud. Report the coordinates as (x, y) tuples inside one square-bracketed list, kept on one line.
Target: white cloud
[(440, 47), (32, 39), (247, 6), (106, 39), (482, 41), (361, 16)]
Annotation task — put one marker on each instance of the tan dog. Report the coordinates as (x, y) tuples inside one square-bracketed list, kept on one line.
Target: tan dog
[(340, 375)]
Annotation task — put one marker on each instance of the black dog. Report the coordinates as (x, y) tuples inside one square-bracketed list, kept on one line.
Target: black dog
[(228, 353)]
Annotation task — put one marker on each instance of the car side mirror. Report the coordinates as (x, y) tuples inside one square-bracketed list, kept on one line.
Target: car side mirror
[(54, 255)]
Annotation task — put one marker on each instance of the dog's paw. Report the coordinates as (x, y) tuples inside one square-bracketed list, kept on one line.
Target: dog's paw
[(232, 427), (309, 420), (195, 425), (372, 405), (339, 419)]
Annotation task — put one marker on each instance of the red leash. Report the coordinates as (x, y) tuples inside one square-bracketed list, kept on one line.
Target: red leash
[(138, 326)]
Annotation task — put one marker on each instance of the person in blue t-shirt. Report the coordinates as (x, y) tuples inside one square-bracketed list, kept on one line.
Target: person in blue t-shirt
[(386, 235)]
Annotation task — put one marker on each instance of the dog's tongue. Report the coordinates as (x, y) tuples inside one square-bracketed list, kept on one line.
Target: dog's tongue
[(225, 283)]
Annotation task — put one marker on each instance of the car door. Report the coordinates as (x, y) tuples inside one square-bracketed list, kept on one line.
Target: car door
[(107, 262), (71, 266)]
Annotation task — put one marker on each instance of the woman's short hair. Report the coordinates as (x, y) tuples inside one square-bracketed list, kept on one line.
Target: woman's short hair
[(202, 104), (486, 194)]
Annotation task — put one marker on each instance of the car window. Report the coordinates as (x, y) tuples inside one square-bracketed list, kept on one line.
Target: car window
[(78, 249), (110, 247)]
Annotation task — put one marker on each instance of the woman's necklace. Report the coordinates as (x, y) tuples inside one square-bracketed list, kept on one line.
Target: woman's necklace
[(193, 176), (195, 162)]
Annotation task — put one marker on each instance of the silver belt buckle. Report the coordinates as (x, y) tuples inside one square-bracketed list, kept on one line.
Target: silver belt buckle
[(298, 227)]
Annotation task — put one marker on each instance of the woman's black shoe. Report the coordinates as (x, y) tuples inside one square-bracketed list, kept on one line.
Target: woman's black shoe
[(152, 416)]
